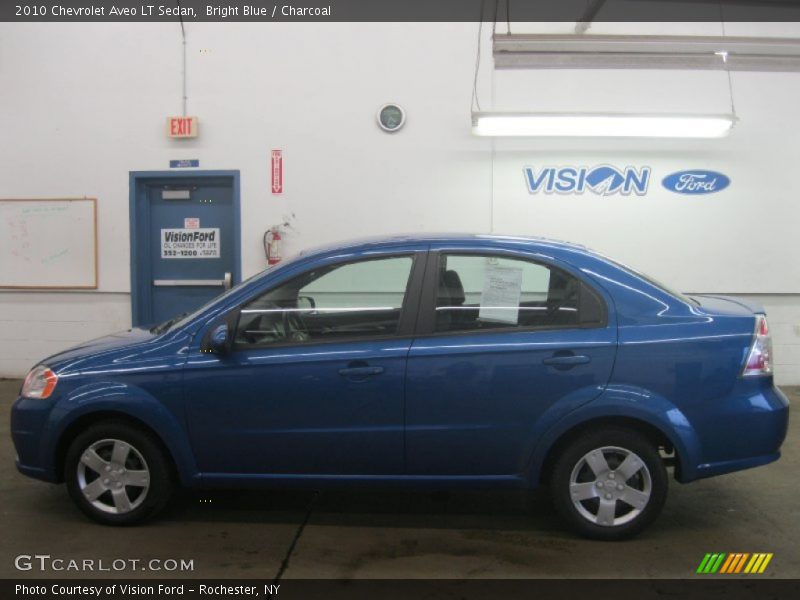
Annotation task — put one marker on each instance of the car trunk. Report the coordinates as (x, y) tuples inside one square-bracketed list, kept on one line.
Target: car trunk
[(727, 305)]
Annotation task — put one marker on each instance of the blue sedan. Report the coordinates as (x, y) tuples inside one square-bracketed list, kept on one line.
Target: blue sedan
[(416, 362)]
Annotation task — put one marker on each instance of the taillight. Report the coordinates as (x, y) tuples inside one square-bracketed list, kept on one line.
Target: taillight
[(759, 359), (39, 383)]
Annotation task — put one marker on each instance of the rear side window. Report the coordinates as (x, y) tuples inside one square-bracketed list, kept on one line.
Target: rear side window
[(484, 292)]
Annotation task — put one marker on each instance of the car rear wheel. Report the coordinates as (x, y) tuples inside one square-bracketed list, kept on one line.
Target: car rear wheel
[(117, 474), (609, 484)]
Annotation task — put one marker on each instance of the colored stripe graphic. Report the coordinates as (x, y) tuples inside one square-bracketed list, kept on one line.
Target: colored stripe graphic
[(703, 563), (727, 564), (765, 563), (717, 564), (720, 562), (735, 563), (711, 563), (741, 563)]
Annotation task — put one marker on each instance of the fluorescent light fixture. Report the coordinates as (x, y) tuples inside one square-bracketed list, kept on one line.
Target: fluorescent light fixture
[(600, 125)]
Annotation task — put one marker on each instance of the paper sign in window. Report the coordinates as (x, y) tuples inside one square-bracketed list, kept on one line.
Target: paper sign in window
[(502, 288)]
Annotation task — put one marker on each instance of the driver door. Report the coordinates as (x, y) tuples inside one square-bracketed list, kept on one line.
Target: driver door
[(314, 384)]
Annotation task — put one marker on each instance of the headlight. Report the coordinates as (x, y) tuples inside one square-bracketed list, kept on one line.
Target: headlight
[(39, 383)]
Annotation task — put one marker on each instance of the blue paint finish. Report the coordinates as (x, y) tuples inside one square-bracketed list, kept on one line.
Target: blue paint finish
[(629, 402), (215, 201), (292, 412), (134, 374), (448, 410), (473, 401)]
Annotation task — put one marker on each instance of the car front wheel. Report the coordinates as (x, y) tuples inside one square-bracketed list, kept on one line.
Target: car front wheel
[(117, 474), (609, 484)]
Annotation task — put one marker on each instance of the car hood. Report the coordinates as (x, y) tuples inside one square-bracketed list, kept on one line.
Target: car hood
[(71, 358)]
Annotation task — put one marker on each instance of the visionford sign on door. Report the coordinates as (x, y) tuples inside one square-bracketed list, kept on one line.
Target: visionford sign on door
[(190, 243), (603, 180), (696, 181)]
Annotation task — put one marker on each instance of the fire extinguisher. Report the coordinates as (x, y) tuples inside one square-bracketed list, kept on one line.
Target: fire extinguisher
[(272, 245)]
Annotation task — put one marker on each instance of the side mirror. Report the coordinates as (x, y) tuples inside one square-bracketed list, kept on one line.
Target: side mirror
[(218, 341)]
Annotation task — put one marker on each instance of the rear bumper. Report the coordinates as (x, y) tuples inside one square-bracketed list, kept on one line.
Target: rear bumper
[(729, 466), (743, 432)]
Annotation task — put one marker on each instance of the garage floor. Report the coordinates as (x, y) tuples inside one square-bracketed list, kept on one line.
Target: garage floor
[(407, 535)]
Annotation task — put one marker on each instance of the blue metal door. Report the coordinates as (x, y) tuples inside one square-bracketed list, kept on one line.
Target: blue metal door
[(476, 404), (489, 372), (290, 410), (315, 391), (184, 242)]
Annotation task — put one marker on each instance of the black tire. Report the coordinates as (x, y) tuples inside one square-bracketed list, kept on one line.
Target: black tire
[(627, 520), (145, 455)]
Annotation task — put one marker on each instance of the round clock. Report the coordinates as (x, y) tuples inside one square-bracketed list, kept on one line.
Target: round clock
[(391, 117)]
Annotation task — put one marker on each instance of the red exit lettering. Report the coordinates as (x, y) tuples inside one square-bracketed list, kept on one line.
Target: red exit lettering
[(182, 127)]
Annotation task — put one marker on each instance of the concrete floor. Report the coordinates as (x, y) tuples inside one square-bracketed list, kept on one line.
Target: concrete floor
[(407, 535)]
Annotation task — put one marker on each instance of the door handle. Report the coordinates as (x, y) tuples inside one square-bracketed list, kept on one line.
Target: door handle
[(360, 371), (225, 282), (566, 361), (189, 282)]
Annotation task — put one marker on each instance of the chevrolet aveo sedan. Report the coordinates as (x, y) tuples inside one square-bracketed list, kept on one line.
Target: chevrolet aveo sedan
[(416, 362)]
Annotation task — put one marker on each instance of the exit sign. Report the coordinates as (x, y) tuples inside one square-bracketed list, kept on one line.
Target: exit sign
[(181, 127)]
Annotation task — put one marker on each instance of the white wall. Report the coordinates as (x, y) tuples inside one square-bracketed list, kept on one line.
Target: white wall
[(81, 105)]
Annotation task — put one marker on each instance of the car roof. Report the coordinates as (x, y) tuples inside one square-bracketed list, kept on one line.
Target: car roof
[(489, 240)]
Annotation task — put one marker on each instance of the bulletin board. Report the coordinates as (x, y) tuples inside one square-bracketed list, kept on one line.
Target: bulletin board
[(48, 243)]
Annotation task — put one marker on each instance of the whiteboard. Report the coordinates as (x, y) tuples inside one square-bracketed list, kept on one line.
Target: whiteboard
[(48, 243)]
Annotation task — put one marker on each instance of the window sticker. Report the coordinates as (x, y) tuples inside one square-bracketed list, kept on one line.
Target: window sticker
[(502, 288)]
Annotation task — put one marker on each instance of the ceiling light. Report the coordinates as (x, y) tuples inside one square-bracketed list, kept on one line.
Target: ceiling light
[(600, 125)]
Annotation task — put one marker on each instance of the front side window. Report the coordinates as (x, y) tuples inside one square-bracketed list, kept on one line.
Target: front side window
[(492, 292), (355, 300)]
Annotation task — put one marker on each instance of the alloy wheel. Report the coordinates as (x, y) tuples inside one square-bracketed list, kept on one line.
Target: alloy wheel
[(610, 486), (113, 476)]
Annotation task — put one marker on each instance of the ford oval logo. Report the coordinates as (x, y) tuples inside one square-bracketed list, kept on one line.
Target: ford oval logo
[(696, 182)]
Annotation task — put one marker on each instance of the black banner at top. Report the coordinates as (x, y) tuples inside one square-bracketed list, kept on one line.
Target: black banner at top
[(398, 10)]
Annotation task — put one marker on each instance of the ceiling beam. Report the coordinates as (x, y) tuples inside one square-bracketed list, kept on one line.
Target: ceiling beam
[(534, 51)]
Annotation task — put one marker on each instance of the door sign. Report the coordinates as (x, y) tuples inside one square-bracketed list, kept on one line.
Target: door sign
[(190, 243)]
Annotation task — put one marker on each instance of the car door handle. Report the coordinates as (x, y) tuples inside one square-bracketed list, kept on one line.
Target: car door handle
[(360, 371), (566, 361)]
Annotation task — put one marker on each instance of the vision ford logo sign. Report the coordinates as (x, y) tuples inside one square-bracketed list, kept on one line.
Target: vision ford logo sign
[(603, 180), (696, 182)]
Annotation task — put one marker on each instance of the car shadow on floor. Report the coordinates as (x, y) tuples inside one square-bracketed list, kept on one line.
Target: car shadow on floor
[(531, 511), (370, 508)]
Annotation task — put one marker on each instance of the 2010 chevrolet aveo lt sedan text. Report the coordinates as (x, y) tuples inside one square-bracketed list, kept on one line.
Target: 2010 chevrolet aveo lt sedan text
[(441, 361)]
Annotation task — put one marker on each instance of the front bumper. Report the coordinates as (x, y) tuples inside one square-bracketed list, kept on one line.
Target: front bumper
[(29, 425)]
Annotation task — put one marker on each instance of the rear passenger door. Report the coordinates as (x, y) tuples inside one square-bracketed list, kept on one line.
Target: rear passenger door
[(505, 345)]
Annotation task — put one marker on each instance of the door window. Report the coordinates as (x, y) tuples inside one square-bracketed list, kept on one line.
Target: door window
[(340, 302), (480, 292)]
